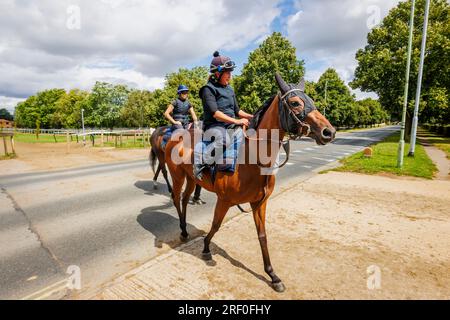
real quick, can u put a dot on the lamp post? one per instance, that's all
(326, 88)
(401, 144)
(419, 82)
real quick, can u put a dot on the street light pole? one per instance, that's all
(82, 124)
(326, 88)
(401, 144)
(419, 82)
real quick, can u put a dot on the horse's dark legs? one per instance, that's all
(190, 185)
(164, 171)
(219, 213)
(176, 197)
(155, 177)
(259, 215)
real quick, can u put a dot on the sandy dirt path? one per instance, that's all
(323, 236)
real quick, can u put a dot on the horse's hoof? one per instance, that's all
(278, 286)
(184, 238)
(155, 186)
(206, 256)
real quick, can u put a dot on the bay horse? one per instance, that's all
(290, 112)
(157, 153)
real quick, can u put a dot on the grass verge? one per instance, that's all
(43, 138)
(384, 160)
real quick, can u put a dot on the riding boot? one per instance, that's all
(196, 199)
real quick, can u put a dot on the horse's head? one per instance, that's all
(298, 114)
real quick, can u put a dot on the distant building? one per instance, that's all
(6, 123)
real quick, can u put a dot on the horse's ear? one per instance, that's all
(301, 84)
(283, 86)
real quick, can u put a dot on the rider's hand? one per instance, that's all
(178, 123)
(242, 122)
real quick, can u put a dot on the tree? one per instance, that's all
(339, 105)
(103, 106)
(37, 111)
(256, 83)
(370, 111)
(4, 114)
(137, 108)
(382, 63)
(68, 109)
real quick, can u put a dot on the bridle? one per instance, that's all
(299, 121)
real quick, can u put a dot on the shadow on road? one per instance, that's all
(147, 186)
(165, 228)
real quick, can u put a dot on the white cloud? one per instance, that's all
(9, 103)
(135, 41)
(328, 33)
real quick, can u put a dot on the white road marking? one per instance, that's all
(321, 159)
(47, 291)
(307, 167)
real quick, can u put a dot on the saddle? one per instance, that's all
(205, 157)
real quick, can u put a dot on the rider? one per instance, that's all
(220, 108)
(177, 113)
(180, 108)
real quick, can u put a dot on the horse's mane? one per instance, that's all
(259, 114)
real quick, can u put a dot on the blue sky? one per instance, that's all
(74, 43)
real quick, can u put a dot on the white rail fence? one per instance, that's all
(117, 135)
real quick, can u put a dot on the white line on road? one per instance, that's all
(321, 159)
(47, 291)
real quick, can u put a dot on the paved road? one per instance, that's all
(107, 219)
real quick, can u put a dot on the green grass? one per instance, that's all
(43, 138)
(384, 160)
(128, 142)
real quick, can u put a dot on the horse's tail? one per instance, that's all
(152, 159)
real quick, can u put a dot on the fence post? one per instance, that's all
(68, 141)
(4, 145)
(12, 145)
(101, 141)
(115, 141)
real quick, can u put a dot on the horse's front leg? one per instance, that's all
(190, 185)
(259, 215)
(219, 213)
